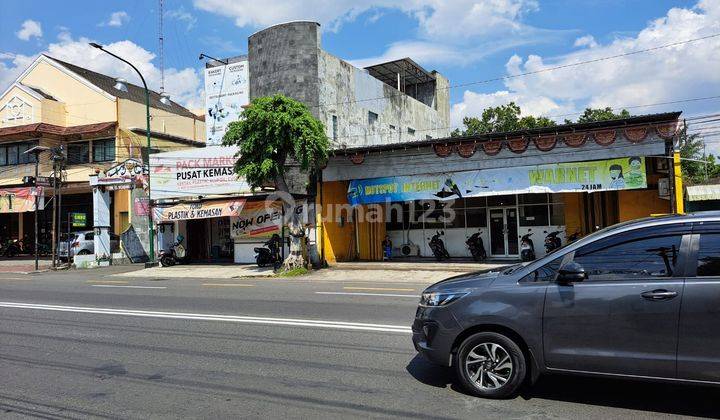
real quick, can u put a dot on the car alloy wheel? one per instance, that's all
(489, 366)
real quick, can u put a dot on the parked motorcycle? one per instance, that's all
(438, 246)
(269, 254)
(527, 248)
(476, 246)
(12, 248)
(574, 237)
(552, 241)
(175, 255)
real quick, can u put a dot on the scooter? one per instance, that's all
(552, 241)
(12, 248)
(175, 255)
(527, 248)
(574, 237)
(269, 253)
(476, 246)
(438, 246)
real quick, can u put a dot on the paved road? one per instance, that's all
(91, 345)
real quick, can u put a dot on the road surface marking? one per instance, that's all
(339, 325)
(15, 278)
(107, 281)
(128, 287)
(227, 285)
(386, 289)
(367, 294)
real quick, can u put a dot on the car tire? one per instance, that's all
(488, 377)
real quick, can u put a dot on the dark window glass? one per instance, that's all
(534, 215)
(411, 131)
(89, 236)
(12, 152)
(103, 150)
(372, 117)
(533, 198)
(334, 127)
(476, 217)
(476, 202)
(544, 273)
(651, 257)
(501, 200)
(3, 156)
(708, 260)
(25, 157)
(78, 153)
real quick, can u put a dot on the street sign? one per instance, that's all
(46, 181)
(78, 219)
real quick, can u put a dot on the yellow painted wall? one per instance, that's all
(83, 105)
(635, 204)
(338, 241)
(121, 199)
(132, 114)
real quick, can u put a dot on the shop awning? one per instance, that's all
(703, 192)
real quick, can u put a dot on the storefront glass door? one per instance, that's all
(503, 231)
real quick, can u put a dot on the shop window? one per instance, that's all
(473, 202)
(708, 259)
(3, 156)
(12, 152)
(556, 198)
(78, 153)
(476, 217)
(533, 199)
(534, 215)
(103, 150)
(456, 218)
(557, 214)
(501, 200)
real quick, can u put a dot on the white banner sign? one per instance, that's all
(195, 172)
(226, 92)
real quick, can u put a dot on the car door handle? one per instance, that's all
(659, 294)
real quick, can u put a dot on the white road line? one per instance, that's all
(129, 287)
(367, 294)
(213, 317)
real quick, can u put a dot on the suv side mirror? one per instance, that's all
(571, 272)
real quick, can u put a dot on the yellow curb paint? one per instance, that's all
(227, 285)
(107, 281)
(388, 289)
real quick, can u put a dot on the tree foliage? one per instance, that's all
(270, 131)
(500, 119)
(697, 166)
(599, 114)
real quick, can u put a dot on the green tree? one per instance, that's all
(692, 153)
(270, 131)
(500, 119)
(600, 114)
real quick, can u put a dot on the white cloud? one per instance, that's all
(29, 29)
(679, 72)
(456, 31)
(183, 16)
(184, 85)
(116, 19)
(585, 41)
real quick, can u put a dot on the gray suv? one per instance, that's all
(640, 300)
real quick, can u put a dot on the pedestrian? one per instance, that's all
(387, 248)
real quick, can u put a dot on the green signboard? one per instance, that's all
(78, 219)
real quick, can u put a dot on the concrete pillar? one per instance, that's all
(101, 221)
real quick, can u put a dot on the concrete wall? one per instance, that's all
(288, 59)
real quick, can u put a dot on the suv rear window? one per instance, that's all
(708, 259)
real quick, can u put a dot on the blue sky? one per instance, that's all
(466, 40)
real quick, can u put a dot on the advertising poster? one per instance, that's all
(226, 92)
(195, 172)
(600, 175)
(259, 219)
(19, 200)
(194, 211)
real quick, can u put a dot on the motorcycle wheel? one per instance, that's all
(167, 261)
(259, 261)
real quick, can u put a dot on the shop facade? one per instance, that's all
(571, 180)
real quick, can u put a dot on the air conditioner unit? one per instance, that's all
(409, 249)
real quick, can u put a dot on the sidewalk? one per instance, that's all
(23, 265)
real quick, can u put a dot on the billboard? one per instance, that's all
(226, 92)
(195, 211)
(589, 176)
(195, 172)
(19, 200)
